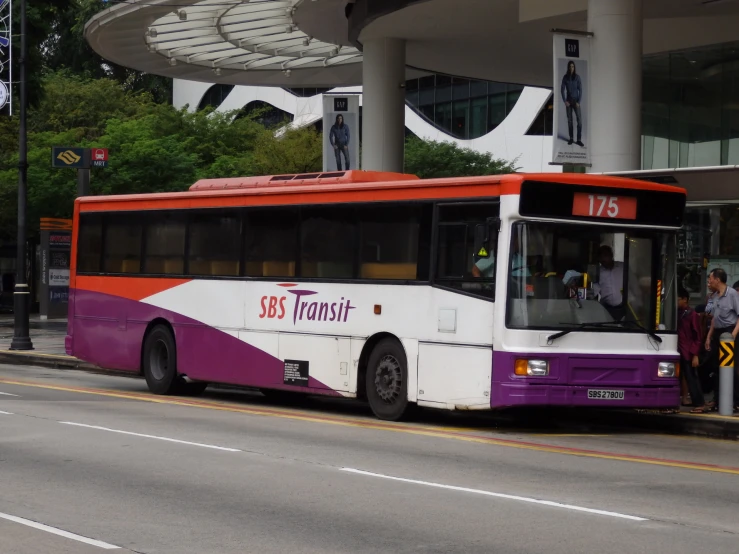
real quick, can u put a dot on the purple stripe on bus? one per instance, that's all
(108, 331)
(572, 375)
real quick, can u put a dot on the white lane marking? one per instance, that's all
(6, 413)
(8, 394)
(498, 495)
(150, 436)
(60, 532)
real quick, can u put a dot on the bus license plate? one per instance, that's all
(596, 394)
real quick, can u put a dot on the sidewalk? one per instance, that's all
(48, 342)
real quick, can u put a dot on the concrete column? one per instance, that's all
(615, 84)
(383, 105)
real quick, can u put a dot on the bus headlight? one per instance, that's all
(532, 368)
(667, 369)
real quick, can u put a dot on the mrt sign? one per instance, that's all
(99, 157)
(70, 158)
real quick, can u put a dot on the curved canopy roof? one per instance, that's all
(232, 41)
(317, 43)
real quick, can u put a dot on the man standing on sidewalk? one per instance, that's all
(725, 320)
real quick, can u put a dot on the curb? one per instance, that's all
(679, 424)
(45, 360)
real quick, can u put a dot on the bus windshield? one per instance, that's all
(567, 275)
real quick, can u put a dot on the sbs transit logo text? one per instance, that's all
(277, 306)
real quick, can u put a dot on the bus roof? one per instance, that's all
(348, 186)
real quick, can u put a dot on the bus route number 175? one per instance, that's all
(603, 206)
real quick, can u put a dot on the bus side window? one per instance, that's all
(122, 248)
(89, 244)
(467, 246)
(389, 242)
(271, 242)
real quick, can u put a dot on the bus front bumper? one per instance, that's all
(525, 394)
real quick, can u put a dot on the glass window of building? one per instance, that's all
(690, 108)
(464, 108)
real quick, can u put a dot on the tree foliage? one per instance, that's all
(153, 147)
(430, 159)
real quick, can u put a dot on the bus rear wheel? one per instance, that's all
(387, 380)
(160, 361)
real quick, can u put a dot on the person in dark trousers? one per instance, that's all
(339, 137)
(689, 339)
(725, 320)
(572, 97)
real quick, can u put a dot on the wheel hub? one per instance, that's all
(388, 379)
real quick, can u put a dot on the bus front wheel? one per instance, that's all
(387, 380)
(160, 361)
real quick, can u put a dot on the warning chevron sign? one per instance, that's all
(726, 354)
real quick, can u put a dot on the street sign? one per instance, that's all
(63, 157)
(726, 353)
(99, 157)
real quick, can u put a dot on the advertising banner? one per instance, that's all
(6, 61)
(340, 132)
(56, 243)
(571, 101)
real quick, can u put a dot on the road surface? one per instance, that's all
(92, 462)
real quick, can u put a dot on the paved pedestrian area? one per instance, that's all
(47, 335)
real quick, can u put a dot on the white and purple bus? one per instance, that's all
(471, 293)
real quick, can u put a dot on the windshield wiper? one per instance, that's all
(600, 324)
(652, 334)
(595, 324)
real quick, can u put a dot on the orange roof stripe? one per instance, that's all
(357, 190)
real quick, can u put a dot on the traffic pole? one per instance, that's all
(726, 375)
(22, 294)
(83, 182)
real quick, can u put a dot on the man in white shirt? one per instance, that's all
(610, 283)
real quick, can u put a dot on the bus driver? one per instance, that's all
(610, 283)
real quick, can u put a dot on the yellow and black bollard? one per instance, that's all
(726, 375)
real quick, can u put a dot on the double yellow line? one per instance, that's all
(460, 434)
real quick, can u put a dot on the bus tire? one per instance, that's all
(387, 380)
(160, 361)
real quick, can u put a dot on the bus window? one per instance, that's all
(214, 243)
(89, 243)
(270, 242)
(164, 250)
(327, 238)
(460, 265)
(122, 249)
(580, 275)
(389, 237)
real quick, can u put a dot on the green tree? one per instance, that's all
(430, 159)
(294, 151)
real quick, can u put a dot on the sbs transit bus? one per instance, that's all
(468, 293)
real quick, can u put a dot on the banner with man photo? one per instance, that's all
(340, 132)
(571, 101)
